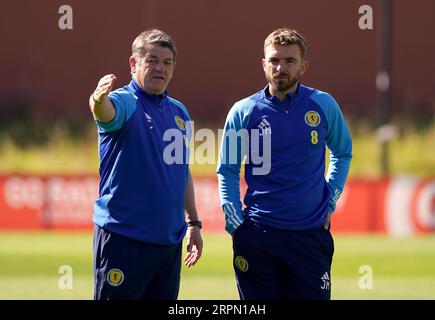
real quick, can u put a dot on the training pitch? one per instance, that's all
(53, 265)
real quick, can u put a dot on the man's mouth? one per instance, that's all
(281, 77)
(159, 78)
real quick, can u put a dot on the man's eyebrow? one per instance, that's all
(285, 58)
(156, 57)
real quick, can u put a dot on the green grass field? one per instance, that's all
(403, 268)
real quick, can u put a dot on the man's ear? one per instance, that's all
(304, 67)
(132, 63)
(263, 63)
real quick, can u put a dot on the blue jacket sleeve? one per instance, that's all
(125, 104)
(232, 152)
(339, 142)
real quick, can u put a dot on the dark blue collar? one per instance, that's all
(289, 97)
(136, 89)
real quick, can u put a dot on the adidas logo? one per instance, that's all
(264, 127)
(326, 282)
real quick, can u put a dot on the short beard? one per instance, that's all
(284, 86)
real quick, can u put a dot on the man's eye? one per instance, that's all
(168, 63)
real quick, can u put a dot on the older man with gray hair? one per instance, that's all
(145, 206)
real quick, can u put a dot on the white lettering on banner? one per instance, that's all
(398, 201)
(63, 201)
(70, 201)
(208, 203)
(22, 192)
(425, 205)
(207, 192)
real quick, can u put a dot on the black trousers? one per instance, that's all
(281, 264)
(130, 269)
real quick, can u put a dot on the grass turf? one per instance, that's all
(403, 268)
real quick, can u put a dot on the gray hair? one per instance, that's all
(152, 36)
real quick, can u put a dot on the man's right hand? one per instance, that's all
(101, 106)
(104, 87)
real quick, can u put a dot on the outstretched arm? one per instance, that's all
(101, 106)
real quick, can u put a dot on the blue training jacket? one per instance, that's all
(287, 190)
(141, 196)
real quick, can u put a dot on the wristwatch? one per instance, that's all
(196, 223)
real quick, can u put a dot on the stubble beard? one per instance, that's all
(286, 85)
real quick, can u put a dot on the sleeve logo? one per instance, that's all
(312, 118)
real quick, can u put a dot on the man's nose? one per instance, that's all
(160, 67)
